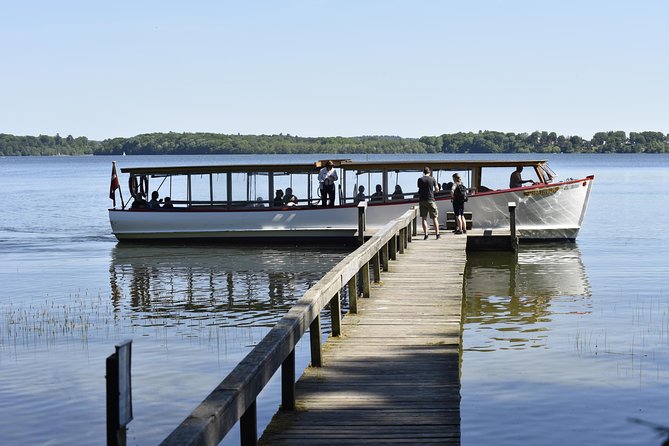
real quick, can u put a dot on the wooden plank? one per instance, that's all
(393, 374)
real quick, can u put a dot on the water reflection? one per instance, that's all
(222, 285)
(514, 294)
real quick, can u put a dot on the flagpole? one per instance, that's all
(120, 189)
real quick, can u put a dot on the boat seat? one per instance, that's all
(450, 220)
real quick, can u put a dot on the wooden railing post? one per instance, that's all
(335, 314)
(414, 225)
(376, 263)
(384, 256)
(362, 223)
(288, 382)
(248, 426)
(393, 247)
(402, 240)
(315, 338)
(512, 222)
(364, 277)
(353, 295)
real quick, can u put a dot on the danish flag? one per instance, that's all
(114, 184)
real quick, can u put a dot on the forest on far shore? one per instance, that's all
(215, 143)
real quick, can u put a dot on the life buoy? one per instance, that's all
(133, 186)
(138, 185)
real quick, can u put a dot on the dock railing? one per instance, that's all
(235, 397)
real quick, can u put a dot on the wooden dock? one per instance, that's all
(392, 376)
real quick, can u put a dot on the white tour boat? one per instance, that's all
(235, 201)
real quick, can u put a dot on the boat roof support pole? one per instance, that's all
(342, 175)
(190, 191)
(228, 188)
(476, 179)
(309, 179)
(270, 185)
(211, 189)
(385, 186)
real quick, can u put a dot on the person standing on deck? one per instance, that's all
(427, 186)
(459, 196)
(327, 177)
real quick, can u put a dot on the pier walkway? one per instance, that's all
(389, 373)
(392, 376)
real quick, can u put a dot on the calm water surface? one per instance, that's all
(562, 344)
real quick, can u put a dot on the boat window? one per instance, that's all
(296, 182)
(370, 181)
(201, 189)
(496, 178)
(176, 188)
(549, 174)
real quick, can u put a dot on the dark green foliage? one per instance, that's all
(215, 143)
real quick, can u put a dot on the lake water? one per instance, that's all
(561, 344)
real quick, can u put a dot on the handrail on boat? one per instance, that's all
(235, 397)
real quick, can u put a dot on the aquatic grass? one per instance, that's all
(639, 343)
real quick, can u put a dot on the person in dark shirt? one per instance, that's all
(289, 199)
(139, 202)
(155, 202)
(516, 179)
(398, 194)
(427, 186)
(360, 197)
(278, 199)
(378, 195)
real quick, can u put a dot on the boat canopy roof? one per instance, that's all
(342, 163)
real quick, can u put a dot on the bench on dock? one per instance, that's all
(450, 221)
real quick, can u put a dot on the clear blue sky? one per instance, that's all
(339, 67)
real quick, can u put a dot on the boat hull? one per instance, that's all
(543, 212)
(297, 223)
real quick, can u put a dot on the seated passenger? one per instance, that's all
(289, 199)
(360, 197)
(168, 203)
(155, 202)
(397, 194)
(378, 195)
(278, 199)
(259, 203)
(139, 202)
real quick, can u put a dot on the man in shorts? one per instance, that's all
(427, 186)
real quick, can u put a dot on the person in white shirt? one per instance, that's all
(327, 177)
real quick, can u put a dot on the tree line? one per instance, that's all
(215, 143)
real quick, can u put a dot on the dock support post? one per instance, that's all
(248, 426)
(364, 277)
(288, 382)
(315, 338)
(376, 263)
(362, 224)
(353, 295)
(335, 314)
(384, 257)
(512, 222)
(402, 240)
(414, 226)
